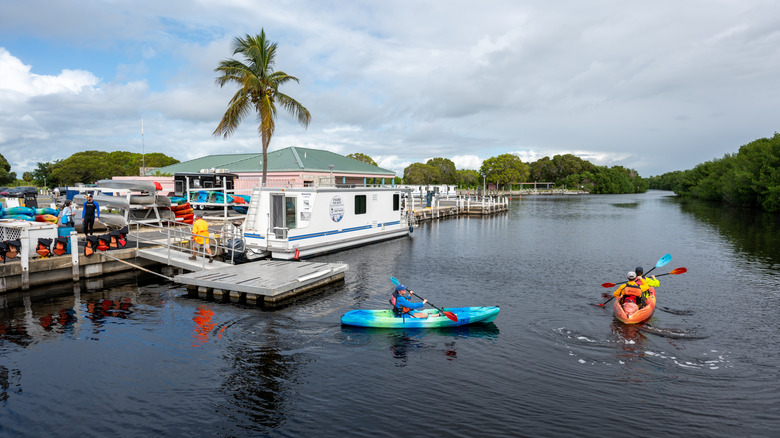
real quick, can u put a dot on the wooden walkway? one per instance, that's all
(267, 283)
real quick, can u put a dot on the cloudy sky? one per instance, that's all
(654, 86)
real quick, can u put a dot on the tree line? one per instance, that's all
(508, 170)
(748, 178)
(85, 167)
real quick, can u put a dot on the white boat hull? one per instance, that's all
(296, 223)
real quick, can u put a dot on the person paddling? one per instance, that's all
(650, 282)
(630, 293)
(402, 306)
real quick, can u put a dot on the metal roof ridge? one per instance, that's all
(297, 157)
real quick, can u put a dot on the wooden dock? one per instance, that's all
(461, 206)
(266, 283)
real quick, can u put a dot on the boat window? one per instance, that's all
(360, 204)
(289, 212)
(396, 202)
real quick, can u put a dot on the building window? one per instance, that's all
(396, 202)
(360, 204)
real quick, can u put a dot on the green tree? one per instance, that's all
(6, 176)
(42, 174)
(447, 171)
(27, 177)
(504, 169)
(419, 173)
(258, 89)
(362, 157)
(467, 178)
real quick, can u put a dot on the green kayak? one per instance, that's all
(386, 318)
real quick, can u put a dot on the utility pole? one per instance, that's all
(143, 152)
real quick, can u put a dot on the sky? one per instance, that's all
(652, 86)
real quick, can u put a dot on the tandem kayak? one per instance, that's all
(641, 315)
(386, 319)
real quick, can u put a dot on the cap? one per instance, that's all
(400, 287)
(631, 275)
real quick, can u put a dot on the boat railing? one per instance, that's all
(179, 239)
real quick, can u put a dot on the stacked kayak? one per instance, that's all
(386, 319)
(640, 315)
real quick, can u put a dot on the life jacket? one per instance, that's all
(632, 290)
(398, 310)
(43, 247)
(91, 245)
(122, 240)
(13, 248)
(103, 242)
(60, 245)
(114, 242)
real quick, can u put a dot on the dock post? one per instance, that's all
(25, 259)
(74, 255)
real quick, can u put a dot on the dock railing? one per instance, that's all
(180, 240)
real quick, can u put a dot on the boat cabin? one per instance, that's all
(184, 182)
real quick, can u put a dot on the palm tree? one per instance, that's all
(258, 89)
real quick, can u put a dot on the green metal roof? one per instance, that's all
(290, 159)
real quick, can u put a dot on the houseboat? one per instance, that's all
(298, 222)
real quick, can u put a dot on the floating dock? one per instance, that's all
(266, 283)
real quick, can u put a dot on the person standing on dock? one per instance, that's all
(200, 239)
(89, 212)
(66, 219)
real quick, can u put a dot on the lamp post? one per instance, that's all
(330, 166)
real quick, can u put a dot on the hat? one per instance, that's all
(631, 275)
(400, 287)
(198, 215)
(639, 270)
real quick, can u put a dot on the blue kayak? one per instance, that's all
(386, 319)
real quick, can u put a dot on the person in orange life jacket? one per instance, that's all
(200, 229)
(630, 293)
(651, 282)
(402, 305)
(90, 211)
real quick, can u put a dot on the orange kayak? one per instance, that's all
(640, 315)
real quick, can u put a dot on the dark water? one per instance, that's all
(130, 356)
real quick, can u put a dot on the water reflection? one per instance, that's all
(403, 342)
(752, 231)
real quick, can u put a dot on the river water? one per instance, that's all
(133, 356)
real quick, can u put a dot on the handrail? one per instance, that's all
(179, 236)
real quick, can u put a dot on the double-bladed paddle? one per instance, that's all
(449, 315)
(663, 261)
(676, 271)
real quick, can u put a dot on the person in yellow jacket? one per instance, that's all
(650, 282)
(630, 293)
(200, 232)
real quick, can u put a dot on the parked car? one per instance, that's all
(3, 191)
(19, 192)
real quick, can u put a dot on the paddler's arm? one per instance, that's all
(619, 291)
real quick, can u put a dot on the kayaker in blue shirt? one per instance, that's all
(402, 305)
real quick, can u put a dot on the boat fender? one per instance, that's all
(411, 229)
(297, 254)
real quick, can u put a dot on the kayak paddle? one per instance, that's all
(449, 315)
(676, 271)
(663, 261)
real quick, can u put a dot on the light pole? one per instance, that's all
(330, 166)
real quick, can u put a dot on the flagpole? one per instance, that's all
(143, 152)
